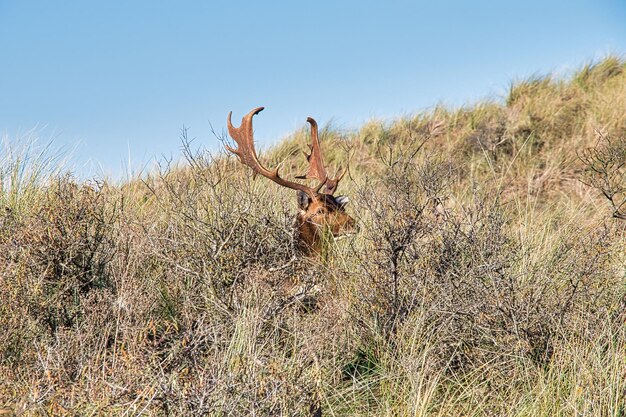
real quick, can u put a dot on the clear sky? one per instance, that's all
(122, 78)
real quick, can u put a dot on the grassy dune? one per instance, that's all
(488, 277)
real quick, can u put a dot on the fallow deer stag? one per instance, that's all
(320, 212)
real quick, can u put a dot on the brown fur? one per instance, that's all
(325, 212)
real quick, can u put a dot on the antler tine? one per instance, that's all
(331, 185)
(244, 137)
(316, 165)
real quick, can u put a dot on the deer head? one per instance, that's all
(320, 212)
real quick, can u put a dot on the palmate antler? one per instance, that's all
(316, 165)
(244, 137)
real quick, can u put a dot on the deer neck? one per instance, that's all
(309, 237)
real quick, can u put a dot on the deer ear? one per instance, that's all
(342, 200)
(303, 200)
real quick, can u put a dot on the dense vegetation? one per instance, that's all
(488, 276)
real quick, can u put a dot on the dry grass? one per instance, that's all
(489, 276)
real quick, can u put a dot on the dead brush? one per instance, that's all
(60, 251)
(484, 292)
(222, 271)
(56, 259)
(401, 211)
(605, 170)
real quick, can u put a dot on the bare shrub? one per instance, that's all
(402, 208)
(217, 227)
(487, 294)
(228, 297)
(55, 256)
(605, 170)
(494, 299)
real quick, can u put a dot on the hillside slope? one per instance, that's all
(488, 278)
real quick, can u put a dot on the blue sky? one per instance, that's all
(120, 79)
